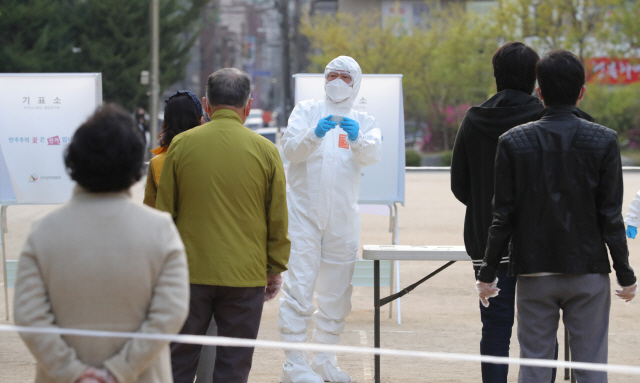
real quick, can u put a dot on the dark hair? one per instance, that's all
(561, 77)
(514, 67)
(180, 114)
(228, 86)
(106, 152)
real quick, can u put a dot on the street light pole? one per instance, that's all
(155, 71)
(283, 8)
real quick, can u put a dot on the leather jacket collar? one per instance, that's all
(559, 111)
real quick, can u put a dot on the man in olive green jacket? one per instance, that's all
(225, 187)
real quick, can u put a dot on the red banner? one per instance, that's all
(604, 70)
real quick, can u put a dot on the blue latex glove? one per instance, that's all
(632, 231)
(351, 127)
(324, 125)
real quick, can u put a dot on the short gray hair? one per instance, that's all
(229, 86)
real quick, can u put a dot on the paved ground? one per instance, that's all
(440, 316)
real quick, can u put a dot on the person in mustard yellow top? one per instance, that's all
(182, 111)
(225, 187)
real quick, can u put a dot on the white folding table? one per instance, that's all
(378, 253)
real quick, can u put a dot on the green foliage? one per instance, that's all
(446, 157)
(624, 15)
(587, 28)
(578, 25)
(36, 35)
(446, 65)
(632, 156)
(616, 107)
(412, 158)
(108, 36)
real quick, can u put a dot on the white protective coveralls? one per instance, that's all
(324, 224)
(633, 215)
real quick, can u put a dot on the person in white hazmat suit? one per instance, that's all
(324, 220)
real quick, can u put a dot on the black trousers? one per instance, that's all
(237, 312)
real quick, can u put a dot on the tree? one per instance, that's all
(35, 35)
(616, 107)
(446, 65)
(624, 16)
(285, 58)
(107, 36)
(589, 28)
(443, 66)
(576, 25)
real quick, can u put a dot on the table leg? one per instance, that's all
(376, 321)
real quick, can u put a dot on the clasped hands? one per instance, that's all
(350, 126)
(96, 375)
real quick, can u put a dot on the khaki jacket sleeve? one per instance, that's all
(167, 197)
(33, 309)
(166, 314)
(278, 244)
(151, 189)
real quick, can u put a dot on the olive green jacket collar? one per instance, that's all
(225, 113)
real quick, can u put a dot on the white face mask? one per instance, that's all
(338, 90)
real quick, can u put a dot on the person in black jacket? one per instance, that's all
(472, 169)
(557, 207)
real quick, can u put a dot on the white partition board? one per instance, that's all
(39, 112)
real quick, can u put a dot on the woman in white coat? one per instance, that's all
(103, 262)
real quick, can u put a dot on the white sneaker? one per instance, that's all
(297, 370)
(326, 365)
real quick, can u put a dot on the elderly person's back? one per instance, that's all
(103, 262)
(225, 187)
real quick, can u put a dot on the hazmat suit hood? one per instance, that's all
(344, 63)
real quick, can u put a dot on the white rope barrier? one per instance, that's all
(238, 342)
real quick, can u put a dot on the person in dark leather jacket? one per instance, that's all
(557, 207)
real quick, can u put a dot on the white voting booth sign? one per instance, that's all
(39, 112)
(383, 183)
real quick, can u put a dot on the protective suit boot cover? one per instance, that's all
(326, 365)
(296, 369)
